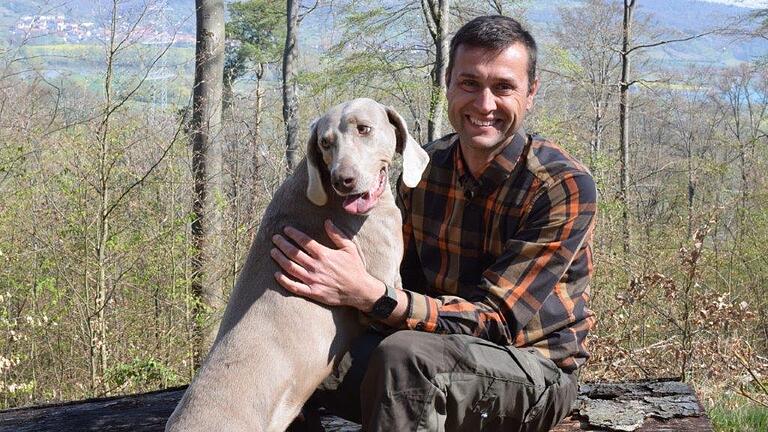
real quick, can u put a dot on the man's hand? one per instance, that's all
(335, 277)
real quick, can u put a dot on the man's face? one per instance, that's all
(488, 96)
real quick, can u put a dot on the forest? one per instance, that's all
(129, 193)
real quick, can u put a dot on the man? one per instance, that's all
(492, 314)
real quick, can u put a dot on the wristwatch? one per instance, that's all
(387, 303)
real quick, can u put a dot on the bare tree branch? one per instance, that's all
(669, 41)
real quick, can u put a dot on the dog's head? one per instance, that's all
(354, 143)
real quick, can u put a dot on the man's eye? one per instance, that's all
(363, 129)
(505, 88)
(469, 84)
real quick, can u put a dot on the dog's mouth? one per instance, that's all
(362, 203)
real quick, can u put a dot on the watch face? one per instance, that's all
(383, 307)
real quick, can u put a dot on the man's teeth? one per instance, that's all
(482, 123)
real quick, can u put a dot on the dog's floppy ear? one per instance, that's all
(415, 159)
(315, 190)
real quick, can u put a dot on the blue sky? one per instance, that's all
(752, 4)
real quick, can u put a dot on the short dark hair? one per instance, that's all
(495, 33)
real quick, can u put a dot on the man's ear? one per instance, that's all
(415, 159)
(531, 94)
(315, 190)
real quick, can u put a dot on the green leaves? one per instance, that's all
(255, 34)
(147, 373)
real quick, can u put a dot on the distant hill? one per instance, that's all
(165, 15)
(692, 17)
(89, 9)
(679, 17)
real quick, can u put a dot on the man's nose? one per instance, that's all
(485, 101)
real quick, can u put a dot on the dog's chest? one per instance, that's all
(380, 242)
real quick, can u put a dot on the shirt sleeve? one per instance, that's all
(514, 287)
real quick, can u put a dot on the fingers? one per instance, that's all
(306, 290)
(337, 236)
(306, 242)
(291, 251)
(289, 266)
(293, 286)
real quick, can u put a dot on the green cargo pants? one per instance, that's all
(416, 381)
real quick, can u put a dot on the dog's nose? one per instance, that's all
(343, 182)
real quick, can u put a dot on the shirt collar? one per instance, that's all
(500, 168)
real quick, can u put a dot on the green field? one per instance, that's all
(82, 67)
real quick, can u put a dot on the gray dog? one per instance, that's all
(273, 349)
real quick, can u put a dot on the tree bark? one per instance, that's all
(259, 149)
(290, 101)
(691, 184)
(98, 326)
(597, 139)
(206, 283)
(437, 16)
(629, 6)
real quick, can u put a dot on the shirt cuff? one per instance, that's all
(422, 312)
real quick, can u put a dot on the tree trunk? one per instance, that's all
(290, 102)
(597, 138)
(206, 283)
(228, 96)
(624, 121)
(259, 150)
(437, 15)
(99, 327)
(691, 184)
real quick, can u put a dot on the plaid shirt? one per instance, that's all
(506, 257)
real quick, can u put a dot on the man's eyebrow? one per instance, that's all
(503, 78)
(511, 80)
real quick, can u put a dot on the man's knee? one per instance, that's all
(396, 349)
(404, 357)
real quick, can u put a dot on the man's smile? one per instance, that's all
(481, 122)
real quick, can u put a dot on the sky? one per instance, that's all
(752, 4)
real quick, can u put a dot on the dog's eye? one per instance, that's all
(324, 144)
(363, 129)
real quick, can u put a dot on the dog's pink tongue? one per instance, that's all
(359, 203)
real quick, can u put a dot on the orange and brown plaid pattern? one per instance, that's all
(506, 257)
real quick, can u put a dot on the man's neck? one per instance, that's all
(477, 161)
